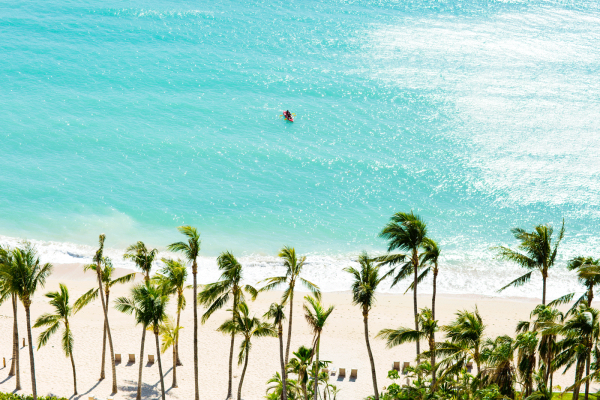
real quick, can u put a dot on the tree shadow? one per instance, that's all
(89, 390)
(7, 378)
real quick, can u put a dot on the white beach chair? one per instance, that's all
(353, 373)
(333, 371)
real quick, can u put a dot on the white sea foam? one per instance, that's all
(475, 273)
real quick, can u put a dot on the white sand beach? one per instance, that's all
(342, 343)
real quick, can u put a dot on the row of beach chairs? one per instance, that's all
(396, 366)
(342, 372)
(131, 359)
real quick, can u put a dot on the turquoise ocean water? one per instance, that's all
(131, 118)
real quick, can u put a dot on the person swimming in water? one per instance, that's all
(287, 114)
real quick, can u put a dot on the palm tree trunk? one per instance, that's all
(316, 391)
(177, 341)
(415, 262)
(304, 391)
(139, 388)
(239, 397)
(366, 322)
(230, 383)
(432, 360)
(544, 290)
(74, 374)
(174, 367)
(283, 371)
(160, 371)
(578, 373)
(196, 389)
(17, 369)
(30, 345)
(587, 372)
(15, 335)
(107, 325)
(289, 337)
(102, 375)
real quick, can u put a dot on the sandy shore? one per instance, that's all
(342, 343)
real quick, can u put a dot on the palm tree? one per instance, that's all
(316, 315)
(465, 339)
(588, 274)
(170, 337)
(248, 327)
(277, 314)
(148, 303)
(406, 232)
(292, 392)
(99, 260)
(300, 365)
(62, 312)
(143, 259)
(526, 344)
(581, 333)
(365, 283)
(172, 278)
(7, 288)
(430, 256)
(29, 274)
(498, 355)
(293, 266)
(191, 249)
(106, 273)
(536, 253)
(426, 330)
(216, 295)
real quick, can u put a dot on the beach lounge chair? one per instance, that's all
(342, 373)
(333, 371)
(396, 365)
(131, 359)
(406, 365)
(470, 366)
(117, 358)
(353, 373)
(151, 358)
(4, 362)
(24, 342)
(326, 370)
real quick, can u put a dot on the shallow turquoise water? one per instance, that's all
(132, 118)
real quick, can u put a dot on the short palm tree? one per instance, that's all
(364, 284)
(62, 312)
(248, 327)
(535, 252)
(148, 303)
(108, 282)
(172, 279)
(316, 315)
(99, 260)
(498, 355)
(169, 333)
(28, 274)
(300, 366)
(7, 290)
(465, 339)
(293, 268)
(406, 232)
(427, 328)
(191, 250)
(277, 314)
(276, 389)
(526, 344)
(216, 295)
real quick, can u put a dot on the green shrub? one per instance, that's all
(11, 396)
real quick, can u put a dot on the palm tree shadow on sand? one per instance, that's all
(129, 390)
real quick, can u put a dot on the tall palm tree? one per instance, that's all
(169, 333)
(191, 249)
(7, 286)
(293, 268)
(172, 279)
(248, 327)
(316, 315)
(426, 330)
(537, 252)
(143, 259)
(588, 274)
(29, 274)
(364, 284)
(277, 314)
(108, 282)
(405, 232)
(99, 260)
(430, 257)
(62, 312)
(300, 366)
(216, 295)
(148, 303)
